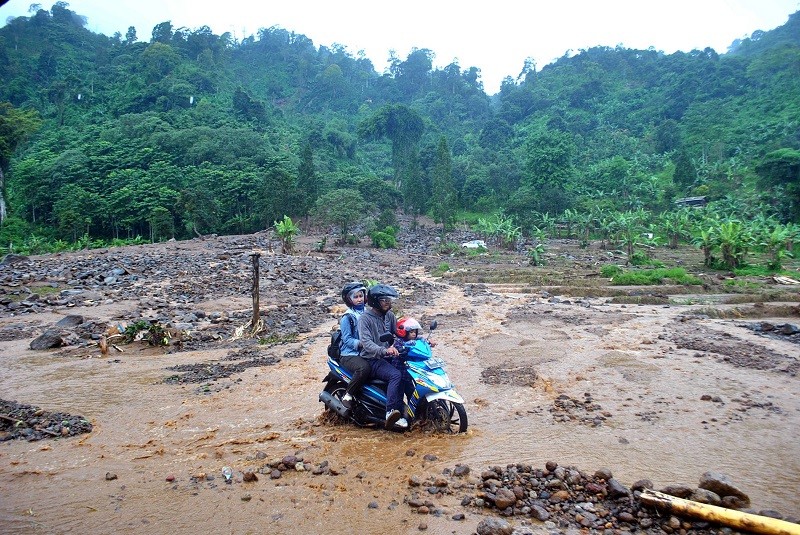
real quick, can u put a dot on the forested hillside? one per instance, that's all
(185, 132)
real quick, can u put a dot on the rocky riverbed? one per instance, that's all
(553, 363)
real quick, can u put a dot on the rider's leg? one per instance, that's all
(360, 370)
(394, 390)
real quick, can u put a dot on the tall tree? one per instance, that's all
(403, 127)
(443, 202)
(15, 126)
(307, 182)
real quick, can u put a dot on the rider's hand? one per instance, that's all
(392, 351)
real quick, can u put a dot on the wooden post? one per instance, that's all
(254, 322)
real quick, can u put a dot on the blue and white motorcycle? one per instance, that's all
(431, 396)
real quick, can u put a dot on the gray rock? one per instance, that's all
(679, 491)
(617, 489)
(722, 486)
(706, 496)
(504, 498)
(49, 339)
(494, 526)
(67, 322)
(12, 258)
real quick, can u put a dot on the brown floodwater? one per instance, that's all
(656, 426)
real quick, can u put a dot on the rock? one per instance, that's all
(723, 486)
(170, 478)
(539, 513)
(604, 474)
(12, 258)
(617, 489)
(679, 491)
(788, 329)
(422, 526)
(706, 496)
(275, 474)
(249, 477)
(461, 470)
(373, 505)
(458, 516)
(246, 497)
(111, 476)
(48, 340)
(642, 484)
(494, 526)
(68, 322)
(504, 498)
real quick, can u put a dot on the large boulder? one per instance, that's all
(49, 339)
(721, 485)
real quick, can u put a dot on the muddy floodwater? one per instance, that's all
(649, 391)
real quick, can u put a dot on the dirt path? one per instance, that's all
(647, 391)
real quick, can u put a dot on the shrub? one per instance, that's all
(610, 270)
(441, 269)
(650, 277)
(384, 239)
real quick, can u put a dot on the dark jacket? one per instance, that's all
(371, 325)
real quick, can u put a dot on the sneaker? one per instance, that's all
(401, 423)
(347, 401)
(392, 417)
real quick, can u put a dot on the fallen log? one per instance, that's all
(720, 515)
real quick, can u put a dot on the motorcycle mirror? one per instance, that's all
(387, 337)
(434, 324)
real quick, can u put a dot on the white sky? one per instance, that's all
(493, 35)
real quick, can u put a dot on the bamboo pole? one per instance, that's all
(254, 322)
(720, 515)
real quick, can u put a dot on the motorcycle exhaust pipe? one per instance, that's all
(334, 404)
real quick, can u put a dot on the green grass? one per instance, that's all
(650, 277)
(759, 271)
(441, 269)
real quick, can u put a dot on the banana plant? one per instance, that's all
(286, 231)
(706, 240)
(734, 241)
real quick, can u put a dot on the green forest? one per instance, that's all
(181, 133)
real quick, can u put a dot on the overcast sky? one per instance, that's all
(493, 35)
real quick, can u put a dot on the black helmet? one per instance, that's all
(348, 289)
(378, 292)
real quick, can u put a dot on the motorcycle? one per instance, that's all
(431, 396)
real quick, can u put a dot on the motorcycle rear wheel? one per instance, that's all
(446, 416)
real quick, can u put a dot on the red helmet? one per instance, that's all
(404, 325)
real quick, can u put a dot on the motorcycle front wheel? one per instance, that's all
(446, 416)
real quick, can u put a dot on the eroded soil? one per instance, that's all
(555, 366)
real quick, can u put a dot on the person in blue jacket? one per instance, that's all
(353, 295)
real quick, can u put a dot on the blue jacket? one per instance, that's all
(349, 345)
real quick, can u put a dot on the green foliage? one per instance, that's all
(441, 269)
(651, 277)
(194, 133)
(499, 228)
(153, 332)
(341, 207)
(641, 258)
(610, 270)
(536, 255)
(384, 239)
(286, 231)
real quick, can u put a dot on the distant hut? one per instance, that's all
(693, 202)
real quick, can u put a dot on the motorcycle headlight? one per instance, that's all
(440, 381)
